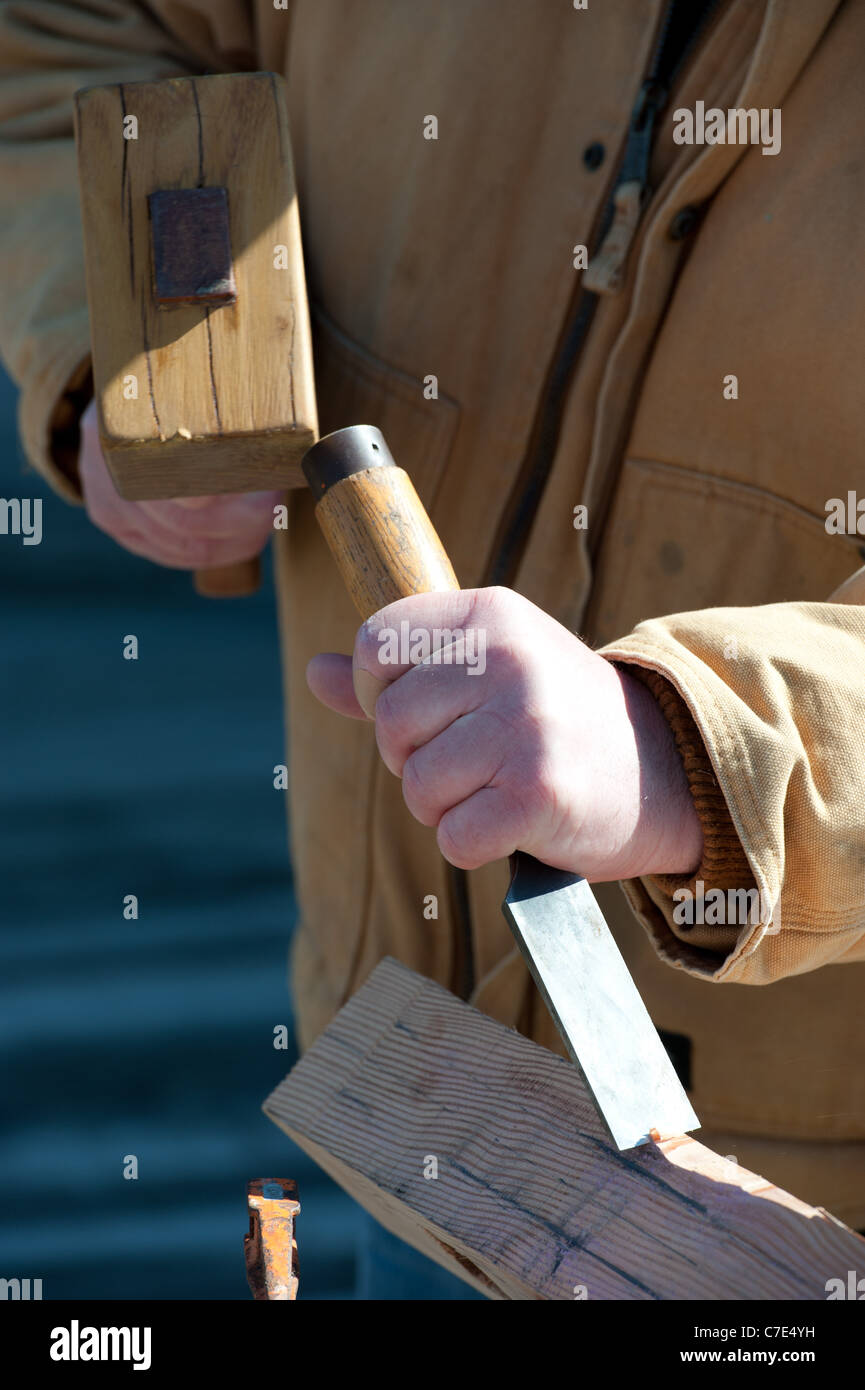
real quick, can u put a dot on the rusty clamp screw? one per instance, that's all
(270, 1248)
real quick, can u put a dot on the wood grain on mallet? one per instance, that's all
(530, 1199)
(225, 395)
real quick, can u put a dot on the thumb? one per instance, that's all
(329, 678)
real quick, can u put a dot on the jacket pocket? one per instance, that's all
(678, 541)
(356, 388)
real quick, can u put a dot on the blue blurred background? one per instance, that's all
(151, 1037)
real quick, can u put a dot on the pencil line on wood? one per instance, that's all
(213, 390)
(291, 363)
(200, 134)
(126, 192)
(145, 339)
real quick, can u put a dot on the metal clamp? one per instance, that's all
(270, 1249)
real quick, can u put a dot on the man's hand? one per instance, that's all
(185, 533)
(532, 741)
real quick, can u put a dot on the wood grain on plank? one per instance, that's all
(531, 1200)
(225, 395)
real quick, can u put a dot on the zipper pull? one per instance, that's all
(606, 270)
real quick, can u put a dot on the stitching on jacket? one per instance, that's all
(766, 502)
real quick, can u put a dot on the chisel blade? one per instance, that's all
(595, 1004)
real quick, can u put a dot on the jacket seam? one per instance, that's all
(767, 500)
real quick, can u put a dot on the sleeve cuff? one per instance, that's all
(724, 864)
(49, 414)
(64, 425)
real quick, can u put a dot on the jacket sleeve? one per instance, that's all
(767, 705)
(49, 49)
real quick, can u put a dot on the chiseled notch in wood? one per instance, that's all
(484, 1151)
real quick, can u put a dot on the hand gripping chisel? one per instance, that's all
(386, 548)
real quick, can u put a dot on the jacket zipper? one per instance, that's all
(633, 168)
(534, 472)
(660, 80)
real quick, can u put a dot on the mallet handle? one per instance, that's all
(230, 581)
(373, 520)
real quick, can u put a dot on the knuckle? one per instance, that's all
(386, 721)
(394, 721)
(463, 841)
(451, 844)
(418, 795)
(391, 744)
(529, 798)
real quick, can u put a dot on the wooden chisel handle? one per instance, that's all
(373, 520)
(230, 581)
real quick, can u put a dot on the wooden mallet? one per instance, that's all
(202, 360)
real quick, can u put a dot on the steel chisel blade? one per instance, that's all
(595, 1004)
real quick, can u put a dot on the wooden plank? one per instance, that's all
(531, 1200)
(224, 396)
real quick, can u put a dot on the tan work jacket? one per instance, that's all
(704, 401)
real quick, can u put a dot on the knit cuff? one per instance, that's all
(64, 425)
(724, 864)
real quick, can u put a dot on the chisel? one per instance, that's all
(386, 548)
